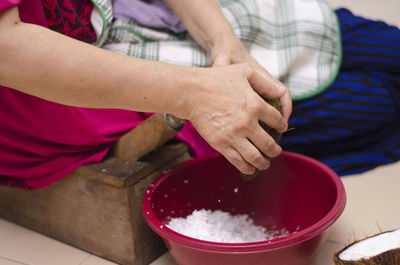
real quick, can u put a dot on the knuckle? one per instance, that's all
(276, 150)
(240, 164)
(229, 133)
(254, 157)
(247, 69)
(268, 145)
(261, 162)
(217, 141)
(233, 157)
(236, 161)
(257, 159)
(257, 107)
(271, 149)
(245, 123)
(266, 149)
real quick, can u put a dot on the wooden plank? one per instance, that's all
(124, 173)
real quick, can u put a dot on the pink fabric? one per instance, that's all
(6, 4)
(31, 11)
(42, 142)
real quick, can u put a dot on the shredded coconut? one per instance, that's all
(219, 226)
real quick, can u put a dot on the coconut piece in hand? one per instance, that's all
(276, 103)
(381, 249)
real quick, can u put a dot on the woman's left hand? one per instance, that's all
(208, 26)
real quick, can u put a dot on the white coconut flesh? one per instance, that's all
(372, 246)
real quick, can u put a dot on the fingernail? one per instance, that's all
(284, 129)
(250, 172)
(279, 149)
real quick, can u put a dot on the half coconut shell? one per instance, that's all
(380, 249)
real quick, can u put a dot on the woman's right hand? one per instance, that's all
(225, 107)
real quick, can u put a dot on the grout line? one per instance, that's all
(334, 241)
(83, 261)
(13, 260)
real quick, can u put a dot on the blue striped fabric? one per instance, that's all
(354, 125)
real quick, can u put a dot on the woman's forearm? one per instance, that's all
(205, 22)
(49, 65)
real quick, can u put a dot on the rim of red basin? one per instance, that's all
(295, 238)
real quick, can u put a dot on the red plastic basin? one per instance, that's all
(297, 193)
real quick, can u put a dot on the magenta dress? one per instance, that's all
(42, 142)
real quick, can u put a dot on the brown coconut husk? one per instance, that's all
(390, 257)
(276, 103)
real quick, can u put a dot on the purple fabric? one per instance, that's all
(150, 13)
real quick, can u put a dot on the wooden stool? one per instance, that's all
(98, 207)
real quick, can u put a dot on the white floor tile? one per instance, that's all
(27, 247)
(10, 262)
(165, 259)
(325, 256)
(94, 260)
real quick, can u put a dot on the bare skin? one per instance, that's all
(223, 45)
(222, 102)
(208, 26)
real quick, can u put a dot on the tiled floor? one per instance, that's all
(20, 246)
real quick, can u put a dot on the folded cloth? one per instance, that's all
(297, 41)
(354, 125)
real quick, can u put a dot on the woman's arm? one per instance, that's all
(205, 22)
(208, 26)
(49, 65)
(220, 102)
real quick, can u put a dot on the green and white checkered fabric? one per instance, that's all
(297, 41)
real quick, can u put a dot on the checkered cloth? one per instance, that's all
(297, 41)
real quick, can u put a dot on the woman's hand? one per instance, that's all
(230, 50)
(225, 107)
